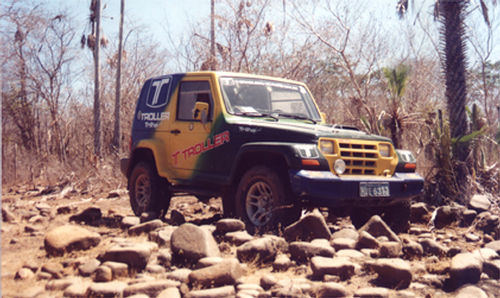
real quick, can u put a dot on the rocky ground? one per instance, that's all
(64, 242)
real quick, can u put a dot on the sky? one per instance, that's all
(176, 17)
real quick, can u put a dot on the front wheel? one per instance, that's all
(262, 202)
(147, 191)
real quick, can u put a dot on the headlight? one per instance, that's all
(307, 151)
(326, 147)
(384, 150)
(339, 166)
(406, 156)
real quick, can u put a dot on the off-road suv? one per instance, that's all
(262, 145)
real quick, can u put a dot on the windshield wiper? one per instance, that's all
(295, 116)
(257, 114)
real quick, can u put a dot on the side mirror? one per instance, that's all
(200, 112)
(323, 116)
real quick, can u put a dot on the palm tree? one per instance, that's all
(396, 81)
(451, 14)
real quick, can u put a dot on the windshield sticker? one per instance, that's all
(211, 143)
(236, 82)
(249, 129)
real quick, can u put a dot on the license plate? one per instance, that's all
(374, 189)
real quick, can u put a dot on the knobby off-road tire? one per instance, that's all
(397, 217)
(147, 191)
(263, 202)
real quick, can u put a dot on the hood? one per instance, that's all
(293, 128)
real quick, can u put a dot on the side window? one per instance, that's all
(189, 94)
(158, 93)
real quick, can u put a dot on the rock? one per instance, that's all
(258, 250)
(103, 274)
(445, 215)
(164, 257)
(118, 269)
(303, 251)
(339, 266)
(267, 281)
(351, 254)
(191, 243)
(471, 237)
(68, 238)
(392, 272)
(107, 289)
(419, 213)
(470, 291)
(391, 249)
(224, 273)
(145, 227)
(343, 243)
(311, 226)
(238, 238)
(377, 227)
(88, 267)
(60, 284)
(34, 291)
(366, 240)
(492, 269)
(176, 218)
(412, 250)
(480, 203)
(24, 274)
(150, 288)
(130, 221)
(170, 293)
(181, 275)
(453, 251)
(346, 234)
(331, 289)
(89, 216)
(8, 216)
(77, 289)
(465, 268)
(227, 291)
(116, 193)
(495, 245)
(136, 256)
(227, 225)
(162, 236)
(54, 269)
(432, 247)
(468, 217)
(282, 263)
(432, 280)
(209, 261)
(155, 269)
(372, 293)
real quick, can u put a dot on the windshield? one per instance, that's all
(248, 96)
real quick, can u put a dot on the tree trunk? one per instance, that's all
(97, 101)
(116, 132)
(452, 14)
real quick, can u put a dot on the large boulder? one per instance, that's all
(465, 268)
(302, 251)
(446, 215)
(136, 256)
(227, 225)
(377, 227)
(339, 266)
(260, 250)
(226, 272)
(68, 238)
(191, 243)
(392, 272)
(309, 227)
(479, 203)
(419, 212)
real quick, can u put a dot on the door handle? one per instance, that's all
(175, 131)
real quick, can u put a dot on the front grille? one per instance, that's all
(360, 159)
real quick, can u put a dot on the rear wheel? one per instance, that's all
(262, 202)
(147, 191)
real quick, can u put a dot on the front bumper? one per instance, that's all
(324, 189)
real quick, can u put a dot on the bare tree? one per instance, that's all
(116, 132)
